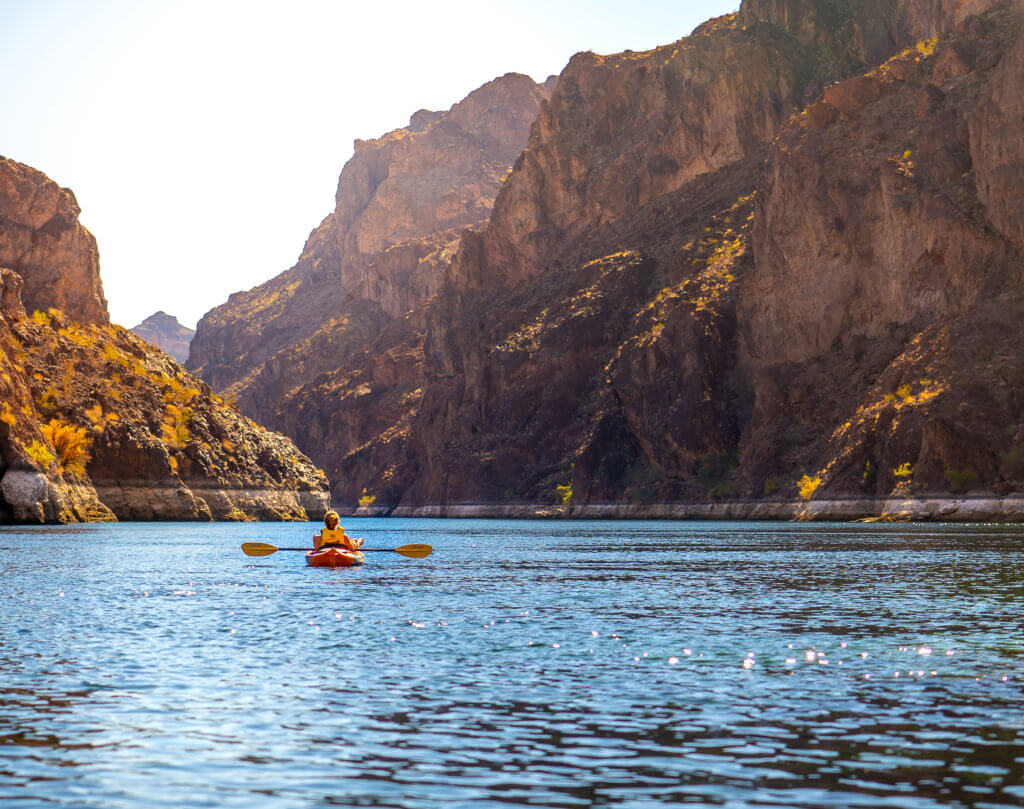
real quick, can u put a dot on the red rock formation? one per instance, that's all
(542, 352)
(160, 445)
(96, 424)
(687, 292)
(402, 201)
(42, 240)
(882, 318)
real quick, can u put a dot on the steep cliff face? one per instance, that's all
(575, 383)
(166, 333)
(881, 322)
(402, 202)
(715, 274)
(621, 130)
(42, 240)
(586, 337)
(94, 423)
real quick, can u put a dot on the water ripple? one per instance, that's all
(545, 664)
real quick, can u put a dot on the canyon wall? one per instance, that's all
(402, 202)
(96, 424)
(881, 319)
(777, 259)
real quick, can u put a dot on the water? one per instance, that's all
(547, 664)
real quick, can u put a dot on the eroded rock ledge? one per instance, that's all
(982, 509)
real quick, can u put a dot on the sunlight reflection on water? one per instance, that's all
(552, 664)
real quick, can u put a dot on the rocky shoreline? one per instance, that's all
(146, 501)
(974, 509)
(32, 497)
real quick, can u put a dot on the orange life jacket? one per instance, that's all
(337, 537)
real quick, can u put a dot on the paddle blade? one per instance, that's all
(415, 551)
(258, 549)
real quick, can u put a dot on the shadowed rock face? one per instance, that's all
(712, 272)
(96, 424)
(166, 333)
(402, 201)
(882, 320)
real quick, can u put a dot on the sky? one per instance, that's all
(204, 138)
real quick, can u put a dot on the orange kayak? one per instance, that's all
(334, 557)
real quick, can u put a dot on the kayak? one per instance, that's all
(334, 557)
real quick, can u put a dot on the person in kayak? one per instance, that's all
(333, 535)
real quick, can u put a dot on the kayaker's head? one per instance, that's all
(331, 520)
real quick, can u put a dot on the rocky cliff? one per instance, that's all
(881, 320)
(42, 241)
(402, 202)
(779, 258)
(95, 424)
(166, 333)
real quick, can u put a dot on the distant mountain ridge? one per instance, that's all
(165, 332)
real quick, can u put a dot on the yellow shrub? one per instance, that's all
(903, 471)
(77, 336)
(808, 486)
(175, 434)
(367, 499)
(47, 400)
(38, 452)
(71, 444)
(7, 417)
(565, 494)
(100, 419)
(41, 318)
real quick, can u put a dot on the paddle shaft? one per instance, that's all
(408, 551)
(343, 548)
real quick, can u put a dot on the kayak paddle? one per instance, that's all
(410, 551)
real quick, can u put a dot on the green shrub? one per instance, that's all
(960, 480)
(1013, 464)
(772, 485)
(714, 466)
(640, 494)
(724, 491)
(39, 453)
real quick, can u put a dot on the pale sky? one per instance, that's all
(204, 138)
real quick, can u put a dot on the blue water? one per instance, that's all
(546, 664)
